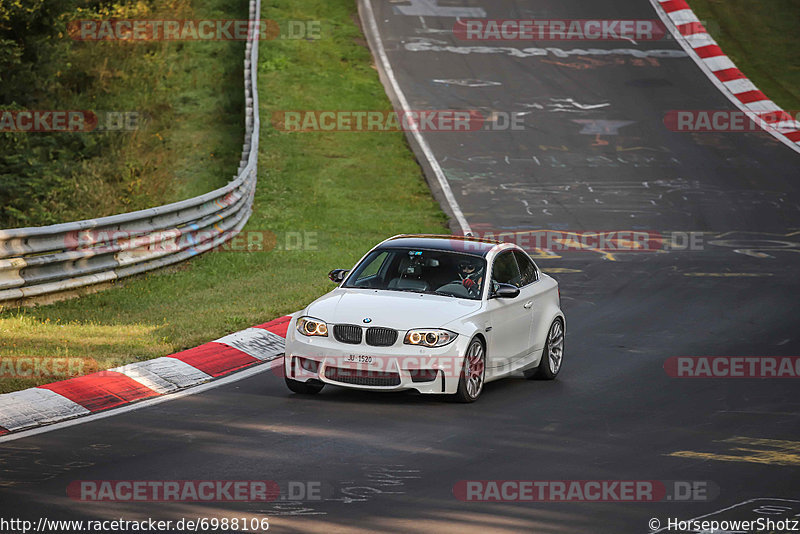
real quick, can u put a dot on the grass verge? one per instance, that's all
(762, 38)
(322, 198)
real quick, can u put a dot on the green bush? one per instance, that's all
(190, 130)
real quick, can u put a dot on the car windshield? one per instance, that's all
(421, 271)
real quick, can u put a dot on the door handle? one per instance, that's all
(528, 305)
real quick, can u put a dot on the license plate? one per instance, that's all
(358, 358)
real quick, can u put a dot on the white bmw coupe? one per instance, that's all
(438, 314)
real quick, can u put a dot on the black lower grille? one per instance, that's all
(423, 375)
(311, 366)
(347, 333)
(360, 377)
(381, 337)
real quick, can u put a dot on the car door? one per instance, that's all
(531, 292)
(510, 319)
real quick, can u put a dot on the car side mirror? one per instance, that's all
(338, 275)
(505, 291)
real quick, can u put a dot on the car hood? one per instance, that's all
(392, 309)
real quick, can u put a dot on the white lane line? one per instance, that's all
(36, 406)
(379, 50)
(235, 377)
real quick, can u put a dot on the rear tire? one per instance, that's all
(552, 354)
(473, 373)
(312, 387)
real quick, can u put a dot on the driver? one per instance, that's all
(471, 273)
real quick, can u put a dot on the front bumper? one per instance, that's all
(365, 367)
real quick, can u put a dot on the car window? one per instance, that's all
(441, 272)
(527, 268)
(505, 270)
(372, 268)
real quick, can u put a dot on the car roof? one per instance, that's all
(455, 243)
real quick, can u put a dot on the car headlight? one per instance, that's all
(430, 337)
(308, 326)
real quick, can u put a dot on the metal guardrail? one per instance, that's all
(49, 259)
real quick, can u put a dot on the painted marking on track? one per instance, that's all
(569, 104)
(564, 105)
(754, 450)
(727, 275)
(425, 44)
(430, 8)
(601, 127)
(380, 480)
(561, 270)
(573, 244)
(469, 82)
(585, 63)
(543, 254)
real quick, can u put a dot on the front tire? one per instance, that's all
(473, 373)
(312, 387)
(552, 354)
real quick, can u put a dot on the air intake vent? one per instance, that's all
(361, 377)
(347, 333)
(381, 337)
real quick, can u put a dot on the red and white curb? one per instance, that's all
(89, 394)
(695, 40)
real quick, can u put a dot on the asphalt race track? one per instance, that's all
(390, 462)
